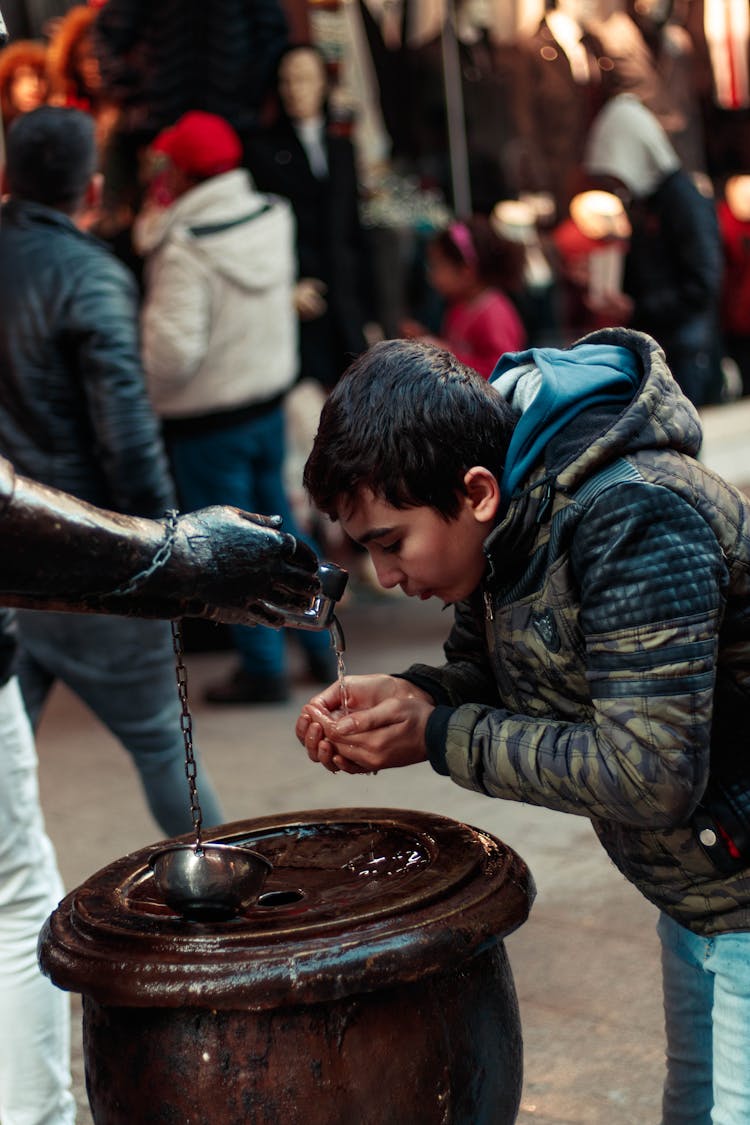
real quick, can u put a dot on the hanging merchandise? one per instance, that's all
(727, 27)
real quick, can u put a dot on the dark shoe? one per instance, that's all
(242, 687)
(322, 667)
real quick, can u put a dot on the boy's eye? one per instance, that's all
(392, 548)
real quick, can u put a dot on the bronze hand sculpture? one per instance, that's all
(61, 553)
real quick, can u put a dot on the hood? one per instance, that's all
(626, 141)
(609, 395)
(241, 233)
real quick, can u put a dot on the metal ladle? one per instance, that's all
(204, 882)
(209, 882)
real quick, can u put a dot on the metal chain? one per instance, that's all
(186, 725)
(160, 558)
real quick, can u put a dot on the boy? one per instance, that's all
(599, 661)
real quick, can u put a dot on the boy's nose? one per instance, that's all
(387, 574)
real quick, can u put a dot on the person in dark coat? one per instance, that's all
(75, 415)
(303, 159)
(158, 61)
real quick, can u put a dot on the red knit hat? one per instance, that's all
(200, 144)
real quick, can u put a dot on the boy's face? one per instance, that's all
(418, 550)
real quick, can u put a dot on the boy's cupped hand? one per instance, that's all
(384, 727)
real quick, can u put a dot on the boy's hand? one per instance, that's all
(385, 726)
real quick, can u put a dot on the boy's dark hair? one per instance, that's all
(51, 156)
(406, 420)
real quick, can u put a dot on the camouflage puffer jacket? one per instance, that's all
(605, 664)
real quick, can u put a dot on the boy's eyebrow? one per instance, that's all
(374, 533)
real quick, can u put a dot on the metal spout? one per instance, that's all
(337, 634)
(321, 611)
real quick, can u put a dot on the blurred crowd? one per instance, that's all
(572, 224)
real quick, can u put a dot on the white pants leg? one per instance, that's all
(34, 1014)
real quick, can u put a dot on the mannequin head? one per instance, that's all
(302, 83)
(74, 68)
(23, 78)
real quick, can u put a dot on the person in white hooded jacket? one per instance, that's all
(220, 351)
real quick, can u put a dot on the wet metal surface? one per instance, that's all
(368, 982)
(352, 896)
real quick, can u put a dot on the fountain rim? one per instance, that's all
(223, 966)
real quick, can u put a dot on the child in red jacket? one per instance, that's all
(473, 269)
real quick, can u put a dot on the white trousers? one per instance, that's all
(34, 1014)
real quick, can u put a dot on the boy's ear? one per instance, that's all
(483, 493)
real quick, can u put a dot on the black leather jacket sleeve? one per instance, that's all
(102, 330)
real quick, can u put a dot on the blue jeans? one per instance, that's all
(707, 1013)
(243, 465)
(123, 669)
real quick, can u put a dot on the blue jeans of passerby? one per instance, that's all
(243, 465)
(123, 669)
(707, 1014)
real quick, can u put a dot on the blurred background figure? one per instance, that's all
(591, 246)
(220, 353)
(23, 78)
(74, 413)
(653, 57)
(673, 268)
(559, 90)
(305, 159)
(474, 270)
(74, 75)
(734, 223)
(538, 298)
(160, 60)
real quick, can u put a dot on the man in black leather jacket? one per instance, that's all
(74, 414)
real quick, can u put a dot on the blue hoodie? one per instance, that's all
(551, 386)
